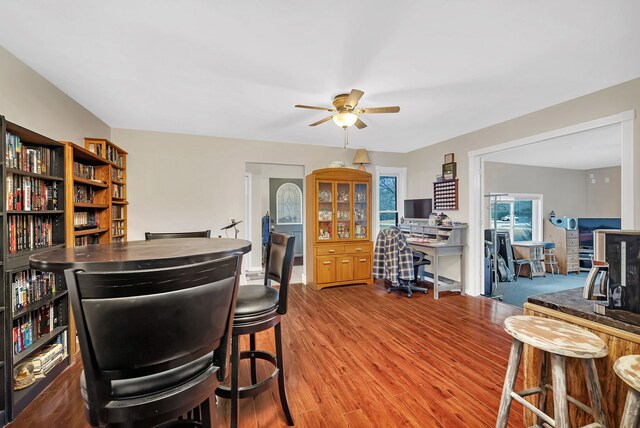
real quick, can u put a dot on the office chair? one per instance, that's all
(170, 235)
(154, 342)
(519, 263)
(258, 308)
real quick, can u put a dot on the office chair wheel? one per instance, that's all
(409, 294)
(425, 292)
(388, 290)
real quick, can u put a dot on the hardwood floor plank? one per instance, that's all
(359, 357)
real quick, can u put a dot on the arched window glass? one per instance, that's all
(289, 204)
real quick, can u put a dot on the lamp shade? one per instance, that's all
(361, 157)
(345, 119)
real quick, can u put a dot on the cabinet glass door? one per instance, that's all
(343, 210)
(325, 211)
(361, 210)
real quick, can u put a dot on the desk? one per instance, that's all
(532, 251)
(135, 255)
(435, 250)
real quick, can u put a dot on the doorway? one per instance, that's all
(478, 160)
(275, 202)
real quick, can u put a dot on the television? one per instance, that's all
(586, 226)
(417, 208)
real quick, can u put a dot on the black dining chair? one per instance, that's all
(258, 308)
(170, 235)
(154, 343)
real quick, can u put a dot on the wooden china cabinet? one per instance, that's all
(338, 224)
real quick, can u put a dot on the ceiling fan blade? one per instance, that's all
(321, 121)
(314, 108)
(360, 124)
(354, 97)
(369, 110)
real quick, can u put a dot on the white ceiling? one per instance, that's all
(236, 68)
(596, 148)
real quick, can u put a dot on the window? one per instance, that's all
(289, 204)
(388, 194)
(520, 215)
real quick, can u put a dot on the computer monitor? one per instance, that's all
(417, 208)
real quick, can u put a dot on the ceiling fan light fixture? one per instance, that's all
(345, 119)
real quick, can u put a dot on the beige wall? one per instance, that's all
(186, 182)
(424, 163)
(563, 190)
(603, 192)
(31, 101)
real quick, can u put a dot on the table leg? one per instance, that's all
(435, 275)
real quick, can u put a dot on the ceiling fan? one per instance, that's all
(345, 112)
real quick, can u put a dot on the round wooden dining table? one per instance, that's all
(135, 255)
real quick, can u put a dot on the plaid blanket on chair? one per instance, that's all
(393, 258)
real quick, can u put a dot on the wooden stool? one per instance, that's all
(557, 340)
(628, 369)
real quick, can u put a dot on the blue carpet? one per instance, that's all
(516, 293)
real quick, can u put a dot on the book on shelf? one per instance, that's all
(32, 326)
(80, 241)
(28, 158)
(28, 233)
(29, 286)
(86, 220)
(83, 193)
(30, 193)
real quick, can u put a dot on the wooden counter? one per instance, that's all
(621, 340)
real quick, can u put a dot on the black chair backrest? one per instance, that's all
(279, 265)
(170, 235)
(138, 323)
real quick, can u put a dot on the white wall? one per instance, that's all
(602, 187)
(260, 175)
(31, 101)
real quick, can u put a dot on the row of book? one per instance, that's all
(114, 156)
(47, 359)
(117, 227)
(31, 285)
(117, 211)
(31, 194)
(29, 232)
(32, 326)
(84, 171)
(118, 191)
(36, 159)
(117, 174)
(81, 241)
(83, 193)
(86, 219)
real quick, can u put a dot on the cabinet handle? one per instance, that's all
(332, 251)
(345, 261)
(358, 249)
(326, 263)
(363, 260)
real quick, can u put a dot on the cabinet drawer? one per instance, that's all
(362, 267)
(329, 249)
(365, 247)
(572, 251)
(325, 269)
(572, 243)
(344, 268)
(572, 234)
(573, 259)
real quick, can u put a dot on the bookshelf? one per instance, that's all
(34, 305)
(117, 160)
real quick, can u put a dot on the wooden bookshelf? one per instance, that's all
(34, 305)
(117, 160)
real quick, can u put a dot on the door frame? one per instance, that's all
(475, 273)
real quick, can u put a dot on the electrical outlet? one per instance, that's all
(593, 181)
(591, 176)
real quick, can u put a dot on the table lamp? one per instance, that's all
(361, 157)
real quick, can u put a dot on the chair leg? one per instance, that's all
(252, 347)
(595, 394)
(560, 404)
(509, 383)
(235, 362)
(631, 413)
(544, 380)
(207, 417)
(280, 366)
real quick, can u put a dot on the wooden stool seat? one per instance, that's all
(628, 369)
(558, 340)
(556, 337)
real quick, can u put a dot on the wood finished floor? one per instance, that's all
(359, 357)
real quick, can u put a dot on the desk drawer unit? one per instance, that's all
(567, 247)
